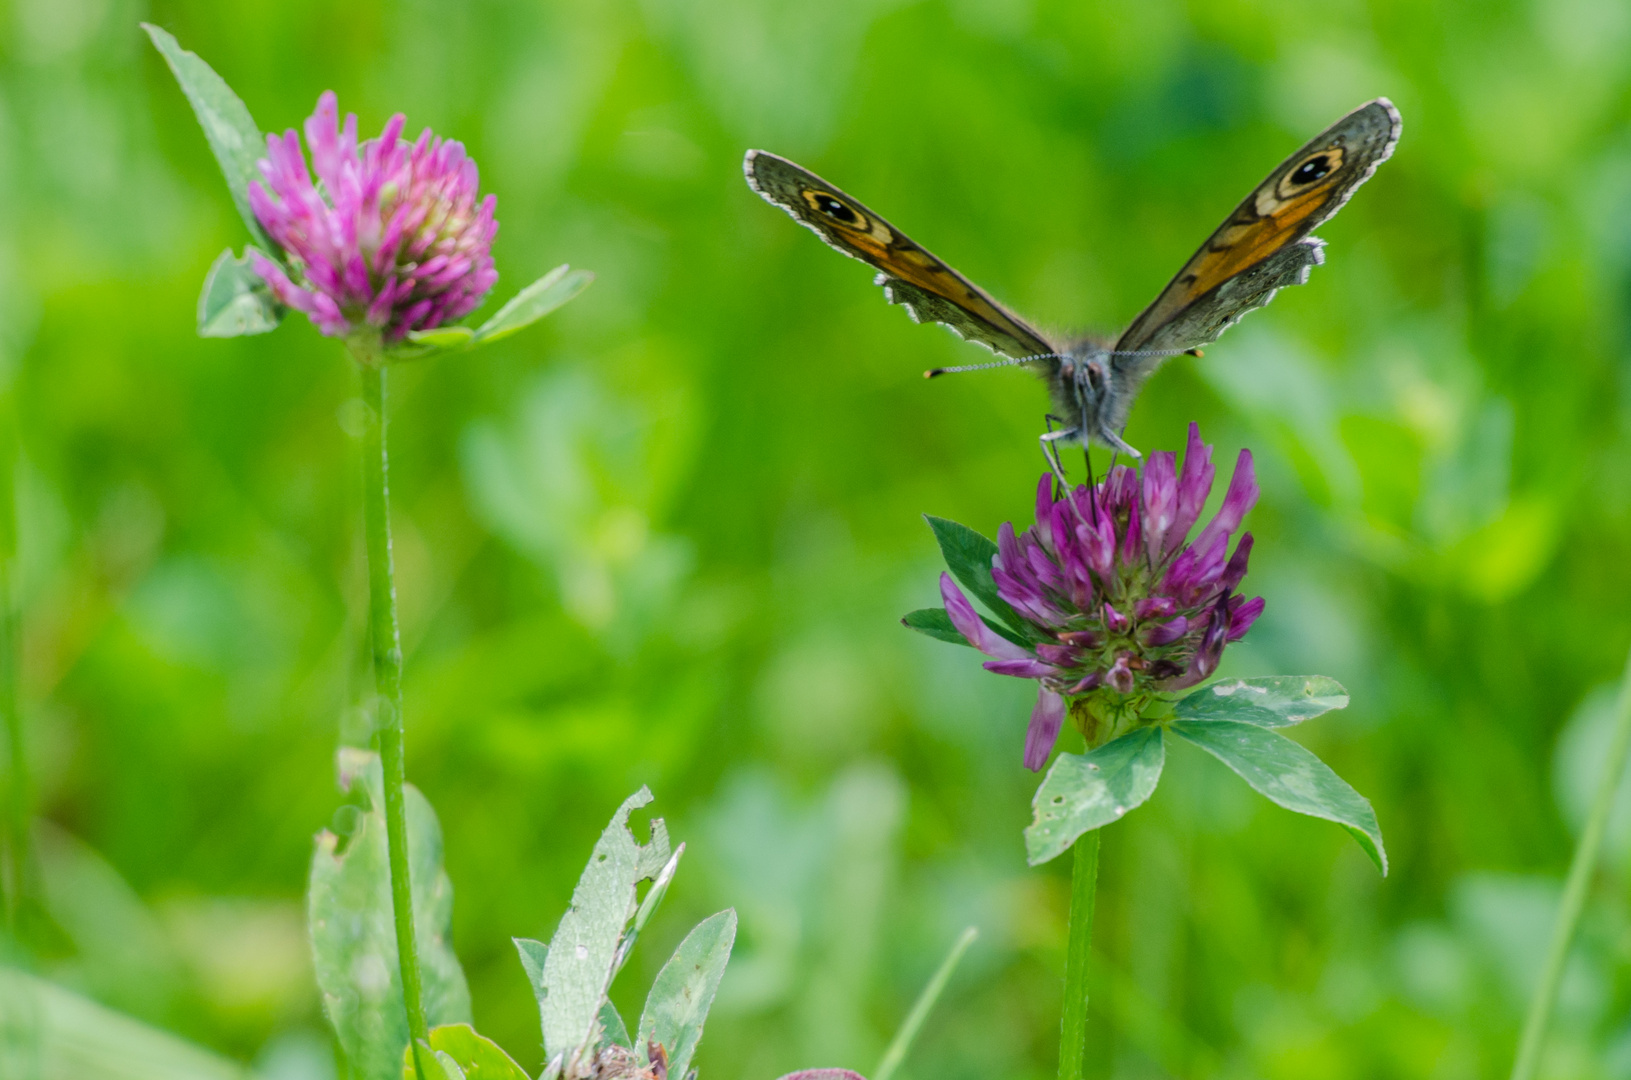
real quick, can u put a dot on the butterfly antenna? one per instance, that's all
(1157, 352)
(987, 367)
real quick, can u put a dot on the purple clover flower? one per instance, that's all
(393, 238)
(1113, 599)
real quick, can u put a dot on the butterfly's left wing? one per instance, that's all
(1265, 244)
(909, 275)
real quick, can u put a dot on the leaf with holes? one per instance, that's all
(1083, 792)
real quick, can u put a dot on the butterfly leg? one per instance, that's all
(1051, 452)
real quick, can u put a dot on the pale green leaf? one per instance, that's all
(1290, 775)
(233, 137)
(1087, 791)
(235, 300)
(578, 967)
(678, 1004)
(534, 302)
(1277, 701)
(353, 934)
(442, 337)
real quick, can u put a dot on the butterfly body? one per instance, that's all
(1263, 246)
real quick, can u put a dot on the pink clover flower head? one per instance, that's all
(393, 235)
(1114, 596)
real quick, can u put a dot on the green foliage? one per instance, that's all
(680, 998)
(472, 1055)
(352, 934)
(576, 971)
(968, 556)
(1275, 701)
(231, 131)
(684, 560)
(1087, 791)
(235, 300)
(1288, 774)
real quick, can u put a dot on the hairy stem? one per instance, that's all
(1084, 882)
(386, 642)
(1581, 868)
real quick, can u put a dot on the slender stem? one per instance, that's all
(386, 641)
(1574, 891)
(1084, 882)
(17, 815)
(902, 1042)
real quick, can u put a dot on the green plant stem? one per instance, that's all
(1084, 882)
(902, 1041)
(1581, 868)
(386, 641)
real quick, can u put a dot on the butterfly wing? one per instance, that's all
(927, 287)
(1265, 244)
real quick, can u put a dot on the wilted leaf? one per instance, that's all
(533, 303)
(678, 1004)
(354, 937)
(1086, 791)
(235, 300)
(1290, 775)
(1277, 701)
(233, 137)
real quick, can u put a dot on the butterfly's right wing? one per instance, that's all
(927, 287)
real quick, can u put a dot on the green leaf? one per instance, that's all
(235, 300)
(231, 131)
(1087, 791)
(534, 302)
(1277, 701)
(1290, 775)
(678, 1004)
(475, 1055)
(937, 624)
(968, 556)
(648, 908)
(577, 970)
(353, 935)
(443, 337)
(613, 1031)
(441, 1066)
(532, 959)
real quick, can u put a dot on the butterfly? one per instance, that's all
(1262, 247)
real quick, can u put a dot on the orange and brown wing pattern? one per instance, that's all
(1265, 244)
(929, 289)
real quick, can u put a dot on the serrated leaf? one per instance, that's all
(353, 934)
(1088, 791)
(1277, 701)
(968, 556)
(233, 137)
(578, 968)
(475, 1055)
(235, 300)
(1289, 774)
(684, 990)
(937, 624)
(533, 303)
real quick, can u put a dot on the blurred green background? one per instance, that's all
(665, 537)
